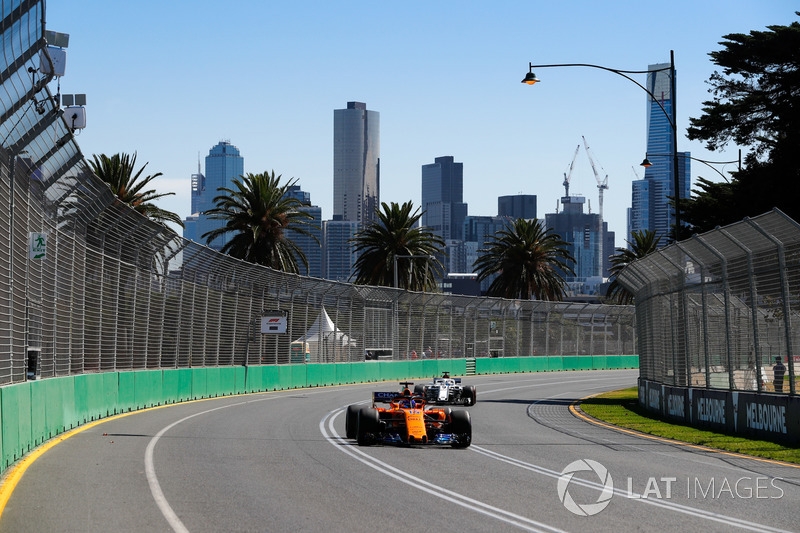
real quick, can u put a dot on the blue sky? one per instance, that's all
(171, 79)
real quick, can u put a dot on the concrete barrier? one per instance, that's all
(35, 411)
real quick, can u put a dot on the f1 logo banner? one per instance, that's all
(273, 322)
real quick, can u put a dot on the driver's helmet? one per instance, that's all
(407, 403)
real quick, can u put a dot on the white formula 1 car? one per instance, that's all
(447, 390)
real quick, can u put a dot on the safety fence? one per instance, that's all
(716, 311)
(87, 285)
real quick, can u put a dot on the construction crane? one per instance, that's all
(602, 183)
(568, 174)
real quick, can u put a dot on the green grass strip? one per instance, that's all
(621, 408)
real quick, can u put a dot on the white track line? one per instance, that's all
(150, 471)
(506, 516)
(418, 483)
(666, 504)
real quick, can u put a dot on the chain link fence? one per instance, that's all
(716, 311)
(88, 285)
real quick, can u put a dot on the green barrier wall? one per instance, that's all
(35, 411)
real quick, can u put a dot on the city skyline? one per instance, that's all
(439, 89)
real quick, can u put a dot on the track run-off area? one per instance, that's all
(279, 461)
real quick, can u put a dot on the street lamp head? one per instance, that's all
(646, 163)
(530, 78)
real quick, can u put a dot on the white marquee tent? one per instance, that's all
(324, 341)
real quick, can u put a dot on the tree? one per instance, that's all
(528, 260)
(128, 185)
(388, 240)
(755, 103)
(644, 242)
(260, 214)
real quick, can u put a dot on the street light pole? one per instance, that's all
(647, 163)
(531, 78)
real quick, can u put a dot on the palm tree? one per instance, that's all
(644, 242)
(128, 185)
(388, 241)
(259, 213)
(528, 260)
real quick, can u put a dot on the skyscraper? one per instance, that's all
(478, 231)
(517, 206)
(223, 164)
(650, 197)
(311, 247)
(443, 209)
(356, 163)
(584, 232)
(338, 255)
(198, 186)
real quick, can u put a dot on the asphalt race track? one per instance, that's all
(279, 462)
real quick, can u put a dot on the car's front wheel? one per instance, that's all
(461, 428)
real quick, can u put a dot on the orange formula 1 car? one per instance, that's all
(407, 420)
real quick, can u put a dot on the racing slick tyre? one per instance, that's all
(369, 424)
(351, 421)
(461, 427)
(419, 390)
(470, 395)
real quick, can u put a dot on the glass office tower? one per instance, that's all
(442, 198)
(356, 163)
(650, 197)
(223, 164)
(338, 254)
(584, 232)
(310, 245)
(517, 206)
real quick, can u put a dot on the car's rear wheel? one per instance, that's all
(351, 421)
(369, 423)
(419, 390)
(461, 428)
(470, 395)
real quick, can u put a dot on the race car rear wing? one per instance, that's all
(384, 397)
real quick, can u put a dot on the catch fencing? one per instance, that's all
(716, 311)
(88, 285)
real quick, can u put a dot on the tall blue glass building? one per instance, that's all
(477, 233)
(223, 164)
(443, 208)
(311, 247)
(338, 254)
(650, 197)
(356, 163)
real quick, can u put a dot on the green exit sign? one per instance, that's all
(37, 248)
